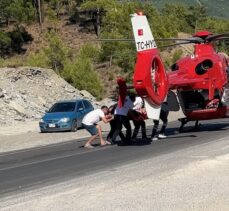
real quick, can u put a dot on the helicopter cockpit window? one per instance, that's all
(203, 66)
(175, 67)
(227, 69)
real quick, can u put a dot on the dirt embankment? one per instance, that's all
(25, 93)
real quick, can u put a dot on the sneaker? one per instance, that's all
(154, 138)
(162, 136)
(89, 146)
(108, 142)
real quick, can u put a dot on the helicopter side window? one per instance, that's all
(203, 66)
(227, 71)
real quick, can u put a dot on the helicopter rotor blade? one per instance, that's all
(115, 40)
(190, 40)
(221, 38)
(172, 45)
(187, 41)
(216, 37)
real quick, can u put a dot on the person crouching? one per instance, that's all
(90, 123)
(138, 115)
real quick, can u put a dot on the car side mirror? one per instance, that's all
(80, 109)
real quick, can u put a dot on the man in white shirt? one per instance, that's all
(90, 123)
(138, 115)
(138, 104)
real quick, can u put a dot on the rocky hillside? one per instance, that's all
(25, 93)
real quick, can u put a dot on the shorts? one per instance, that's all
(91, 129)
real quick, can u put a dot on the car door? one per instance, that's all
(80, 110)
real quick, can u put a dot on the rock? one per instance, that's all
(42, 101)
(15, 78)
(23, 92)
(86, 94)
(7, 97)
(37, 116)
(35, 72)
(107, 101)
(1, 93)
(69, 90)
(6, 101)
(4, 91)
(48, 83)
(18, 108)
(19, 118)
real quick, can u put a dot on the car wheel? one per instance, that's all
(43, 131)
(74, 126)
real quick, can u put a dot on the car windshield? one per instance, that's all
(63, 107)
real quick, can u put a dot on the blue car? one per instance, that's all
(65, 116)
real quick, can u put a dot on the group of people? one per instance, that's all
(119, 116)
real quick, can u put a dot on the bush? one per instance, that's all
(37, 60)
(79, 73)
(90, 51)
(74, 17)
(20, 11)
(19, 36)
(82, 76)
(177, 55)
(51, 15)
(56, 52)
(5, 43)
(16, 61)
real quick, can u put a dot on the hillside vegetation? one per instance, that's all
(214, 7)
(61, 34)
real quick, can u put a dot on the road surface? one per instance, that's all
(183, 172)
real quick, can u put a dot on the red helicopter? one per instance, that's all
(200, 80)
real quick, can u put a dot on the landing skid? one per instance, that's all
(184, 121)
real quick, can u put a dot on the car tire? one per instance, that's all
(74, 126)
(43, 131)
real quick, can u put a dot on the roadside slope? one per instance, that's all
(26, 92)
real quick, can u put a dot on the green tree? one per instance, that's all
(57, 53)
(116, 24)
(82, 76)
(5, 44)
(4, 14)
(20, 11)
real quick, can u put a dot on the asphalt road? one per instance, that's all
(38, 167)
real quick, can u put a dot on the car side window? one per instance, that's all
(80, 106)
(87, 105)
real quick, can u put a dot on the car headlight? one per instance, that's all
(41, 121)
(64, 120)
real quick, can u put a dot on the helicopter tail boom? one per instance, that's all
(150, 79)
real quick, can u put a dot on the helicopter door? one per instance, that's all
(172, 101)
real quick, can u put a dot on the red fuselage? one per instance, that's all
(199, 79)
